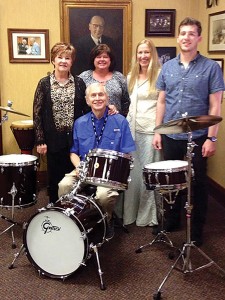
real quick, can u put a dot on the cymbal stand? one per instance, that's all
(162, 235)
(13, 192)
(185, 253)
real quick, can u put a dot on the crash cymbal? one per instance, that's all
(187, 124)
(11, 110)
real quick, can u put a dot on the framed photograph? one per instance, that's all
(160, 22)
(166, 53)
(114, 20)
(28, 45)
(216, 42)
(220, 61)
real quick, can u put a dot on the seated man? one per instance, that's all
(98, 129)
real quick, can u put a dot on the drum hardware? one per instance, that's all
(75, 227)
(162, 235)
(187, 125)
(9, 108)
(13, 193)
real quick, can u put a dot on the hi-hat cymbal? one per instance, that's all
(9, 109)
(187, 124)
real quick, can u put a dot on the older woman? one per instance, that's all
(59, 99)
(140, 204)
(102, 70)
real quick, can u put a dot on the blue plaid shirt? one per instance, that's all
(187, 90)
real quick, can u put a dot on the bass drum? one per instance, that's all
(58, 240)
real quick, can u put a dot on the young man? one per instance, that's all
(190, 85)
(97, 129)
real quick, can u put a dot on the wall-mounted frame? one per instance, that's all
(166, 53)
(28, 45)
(160, 22)
(220, 62)
(75, 18)
(216, 36)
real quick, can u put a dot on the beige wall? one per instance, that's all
(18, 81)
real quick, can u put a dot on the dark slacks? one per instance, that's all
(177, 150)
(58, 164)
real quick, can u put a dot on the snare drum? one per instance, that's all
(108, 168)
(169, 174)
(58, 240)
(18, 170)
(24, 135)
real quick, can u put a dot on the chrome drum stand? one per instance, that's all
(185, 253)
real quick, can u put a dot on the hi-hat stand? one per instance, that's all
(185, 254)
(13, 192)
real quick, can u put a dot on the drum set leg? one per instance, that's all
(162, 235)
(13, 193)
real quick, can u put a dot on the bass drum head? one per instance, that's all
(54, 243)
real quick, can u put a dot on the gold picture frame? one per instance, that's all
(75, 17)
(28, 45)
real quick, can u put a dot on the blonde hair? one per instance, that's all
(153, 67)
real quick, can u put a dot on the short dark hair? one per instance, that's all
(99, 49)
(191, 21)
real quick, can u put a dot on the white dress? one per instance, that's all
(140, 203)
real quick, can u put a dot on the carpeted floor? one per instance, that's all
(126, 274)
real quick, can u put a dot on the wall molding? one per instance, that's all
(216, 191)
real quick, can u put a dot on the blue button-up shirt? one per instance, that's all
(188, 89)
(116, 135)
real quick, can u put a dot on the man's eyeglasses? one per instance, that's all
(97, 26)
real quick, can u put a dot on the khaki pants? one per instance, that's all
(105, 197)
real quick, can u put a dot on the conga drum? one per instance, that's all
(24, 135)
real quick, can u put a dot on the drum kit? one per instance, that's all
(169, 177)
(75, 225)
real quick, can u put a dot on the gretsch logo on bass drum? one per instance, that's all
(47, 226)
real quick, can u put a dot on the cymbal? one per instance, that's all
(187, 124)
(9, 109)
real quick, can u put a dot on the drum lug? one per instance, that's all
(2, 170)
(20, 170)
(84, 235)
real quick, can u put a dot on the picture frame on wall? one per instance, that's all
(160, 22)
(75, 28)
(166, 53)
(28, 45)
(216, 36)
(220, 61)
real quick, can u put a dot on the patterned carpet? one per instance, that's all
(126, 274)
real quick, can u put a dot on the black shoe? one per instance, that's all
(110, 230)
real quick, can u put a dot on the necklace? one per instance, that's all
(98, 138)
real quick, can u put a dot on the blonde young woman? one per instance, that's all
(140, 203)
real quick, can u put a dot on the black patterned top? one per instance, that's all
(53, 121)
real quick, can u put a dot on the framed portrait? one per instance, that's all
(77, 22)
(160, 22)
(216, 42)
(220, 61)
(166, 53)
(28, 45)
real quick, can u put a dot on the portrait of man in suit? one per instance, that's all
(95, 31)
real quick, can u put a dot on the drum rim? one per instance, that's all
(108, 153)
(19, 164)
(103, 182)
(168, 169)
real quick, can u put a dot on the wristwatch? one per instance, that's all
(212, 138)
